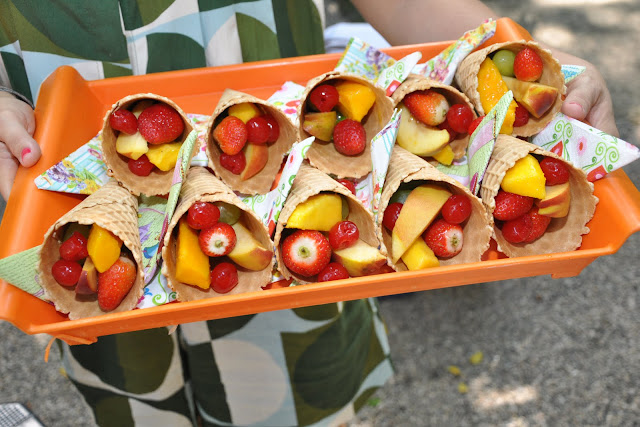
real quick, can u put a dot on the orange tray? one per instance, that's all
(69, 113)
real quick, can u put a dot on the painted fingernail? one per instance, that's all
(25, 152)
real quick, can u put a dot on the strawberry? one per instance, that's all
(124, 121)
(115, 283)
(554, 170)
(217, 240)
(235, 163)
(142, 166)
(510, 206)
(202, 215)
(74, 248)
(444, 239)
(333, 271)
(391, 215)
(527, 65)
(517, 230)
(474, 124)
(231, 134)
(306, 252)
(522, 116)
(160, 123)
(349, 184)
(349, 137)
(539, 224)
(428, 106)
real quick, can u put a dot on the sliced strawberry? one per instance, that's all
(233, 163)
(258, 130)
(349, 184)
(324, 97)
(333, 271)
(224, 277)
(554, 170)
(115, 283)
(306, 252)
(517, 230)
(510, 206)
(391, 214)
(444, 239)
(74, 248)
(231, 135)
(343, 235)
(124, 121)
(539, 224)
(528, 65)
(218, 240)
(160, 123)
(522, 116)
(349, 137)
(428, 106)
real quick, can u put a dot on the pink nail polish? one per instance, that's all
(25, 152)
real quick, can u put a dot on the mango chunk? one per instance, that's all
(164, 156)
(245, 111)
(525, 178)
(491, 88)
(192, 265)
(103, 248)
(354, 99)
(445, 156)
(319, 212)
(419, 256)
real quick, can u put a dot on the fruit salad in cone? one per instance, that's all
(529, 71)
(428, 219)
(435, 119)
(325, 233)
(246, 141)
(141, 137)
(215, 245)
(343, 112)
(91, 260)
(540, 202)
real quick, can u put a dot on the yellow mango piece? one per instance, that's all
(419, 256)
(103, 248)
(491, 88)
(192, 265)
(354, 99)
(445, 156)
(164, 156)
(245, 111)
(525, 178)
(319, 212)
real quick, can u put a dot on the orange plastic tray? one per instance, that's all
(69, 112)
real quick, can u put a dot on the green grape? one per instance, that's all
(229, 214)
(400, 196)
(345, 208)
(504, 61)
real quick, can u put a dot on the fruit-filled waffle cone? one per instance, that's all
(322, 154)
(310, 182)
(466, 78)
(158, 181)
(261, 182)
(202, 186)
(405, 167)
(562, 234)
(113, 208)
(416, 82)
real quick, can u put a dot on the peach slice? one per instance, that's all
(535, 97)
(257, 156)
(556, 202)
(360, 259)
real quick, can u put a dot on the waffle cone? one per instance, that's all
(416, 82)
(202, 186)
(309, 182)
(113, 208)
(158, 182)
(467, 79)
(323, 155)
(261, 182)
(405, 167)
(563, 234)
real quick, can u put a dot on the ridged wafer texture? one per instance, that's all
(158, 182)
(466, 78)
(323, 155)
(563, 234)
(202, 186)
(405, 167)
(261, 182)
(416, 82)
(308, 182)
(113, 208)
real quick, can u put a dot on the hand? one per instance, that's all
(588, 99)
(17, 146)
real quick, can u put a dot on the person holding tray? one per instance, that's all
(315, 365)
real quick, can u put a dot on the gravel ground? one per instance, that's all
(555, 352)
